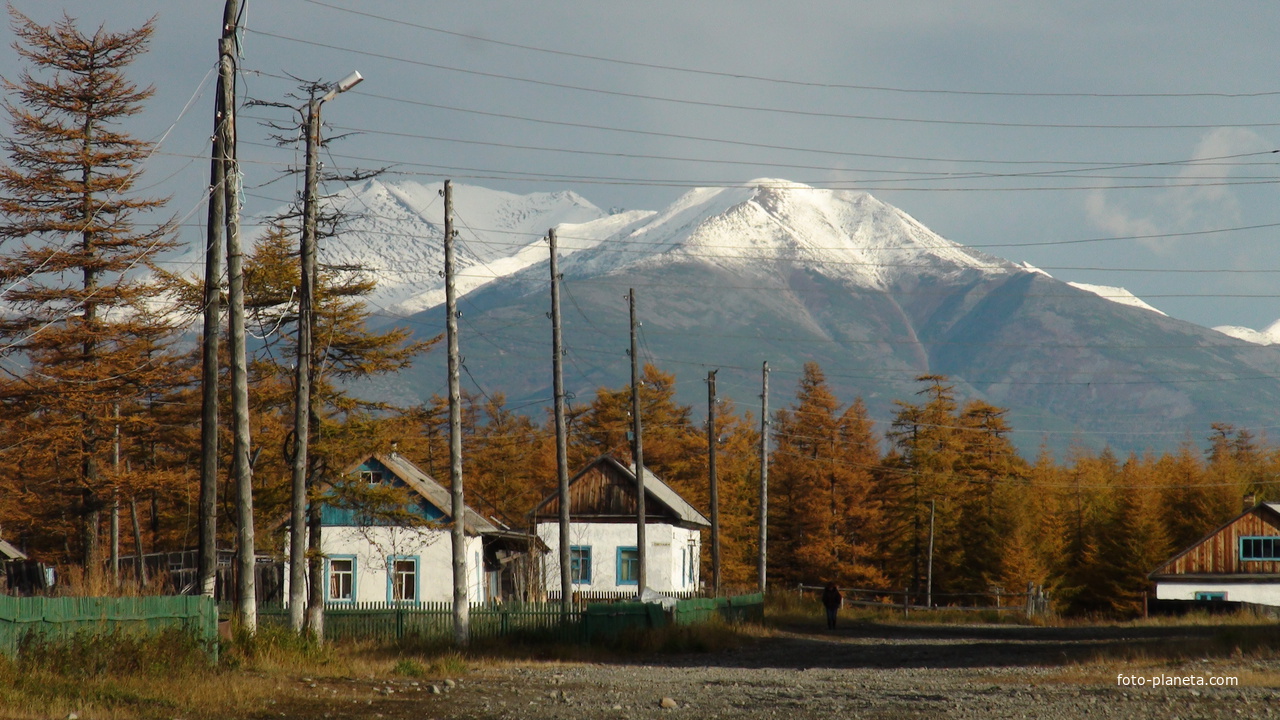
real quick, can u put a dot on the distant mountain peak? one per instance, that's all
(747, 228)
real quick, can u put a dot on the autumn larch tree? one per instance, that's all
(76, 341)
(824, 518)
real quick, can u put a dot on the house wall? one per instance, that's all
(432, 547)
(671, 560)
(1220, 553)
(1260, 593)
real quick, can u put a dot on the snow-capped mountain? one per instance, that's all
(774, 271)
(847, 234)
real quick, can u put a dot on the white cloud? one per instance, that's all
(1197, 198)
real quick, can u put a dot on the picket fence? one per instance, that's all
(380, 621)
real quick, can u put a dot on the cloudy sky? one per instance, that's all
(1111, 143)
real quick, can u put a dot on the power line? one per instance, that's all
(787, 81)
(753, 108)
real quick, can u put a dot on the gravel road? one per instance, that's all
(863, 671)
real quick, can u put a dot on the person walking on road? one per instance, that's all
(832, 600)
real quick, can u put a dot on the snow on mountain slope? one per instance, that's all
(840, 233)
(570, 238)
(396, 233)
(1270, 335)
(1116, 294)
(1106, 292)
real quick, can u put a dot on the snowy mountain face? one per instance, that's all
(842, 234)
(1270, 335)
(396, 233)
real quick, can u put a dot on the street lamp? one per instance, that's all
(302, 399)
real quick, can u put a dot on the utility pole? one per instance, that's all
(712, 441)
(929, 577)
(461, 604)
(302, 376)
(208, 538)
(637, 448)
(761, 572)
(562, 449)
(302, 372)
(246, 592)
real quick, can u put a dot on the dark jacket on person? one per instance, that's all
(831, 597)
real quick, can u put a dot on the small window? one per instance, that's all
(372, 477)
(628, 566)
(580, 564)
(1260, 548)
(404, 580)
(341, 579)
(1211, 597)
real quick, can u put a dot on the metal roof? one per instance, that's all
(434, 492)
(607, 496)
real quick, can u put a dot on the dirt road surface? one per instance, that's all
(863, 671)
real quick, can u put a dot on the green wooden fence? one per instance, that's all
(434, 621)
(64, 617)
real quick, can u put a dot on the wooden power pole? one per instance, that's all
(637, 448)
(246, 589)
(761, 571)
(562, 450)
(206, 578)
(461, 604)
(713, 482)
(302, 376)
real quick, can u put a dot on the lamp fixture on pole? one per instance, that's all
(306, 320)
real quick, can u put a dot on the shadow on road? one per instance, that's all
(873, 645)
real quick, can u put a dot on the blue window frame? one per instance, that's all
(402, 578)
(628, 566)
(1211, 596)
(1256, 548)
(580, 564)
(340, 578)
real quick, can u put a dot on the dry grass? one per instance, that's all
(277, 667)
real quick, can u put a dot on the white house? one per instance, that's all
(372, 561)
(602, 532)
(1238, 562)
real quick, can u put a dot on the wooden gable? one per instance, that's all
(604, 491)
(374, 470)
(1218, 553)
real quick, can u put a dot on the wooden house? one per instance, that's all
(377, 561)
(1238, 562)
(602, 531)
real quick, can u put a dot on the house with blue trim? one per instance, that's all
(602, 532)
(1238, 562)
(368, 559)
